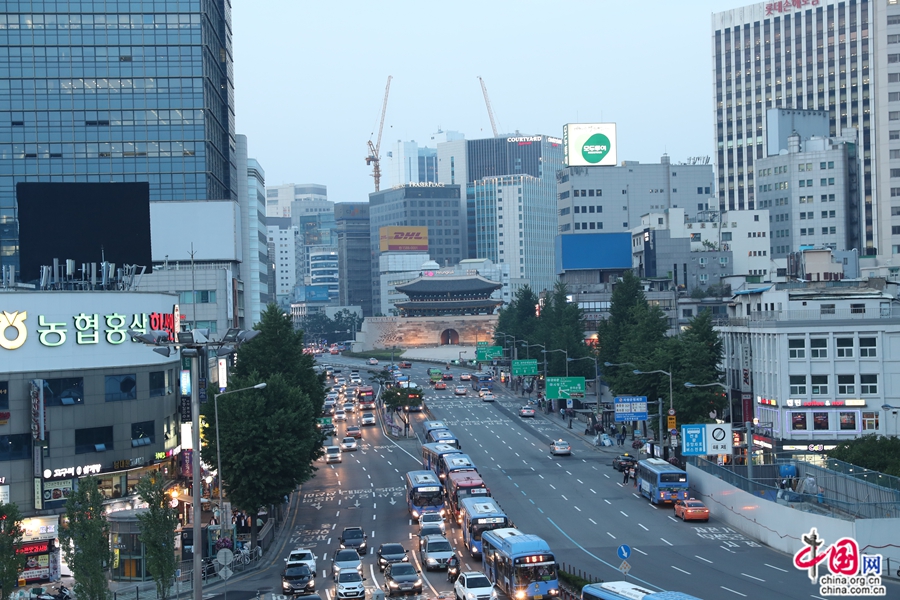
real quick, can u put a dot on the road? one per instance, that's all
(577, 503)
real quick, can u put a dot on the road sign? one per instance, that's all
(630, 408)
(670, 422)
(625, 567)
(225, 573)
(565, 387)
(481, 344)
(224, 556)
(671, 412)
(704, 440)
(525, 367)
(488, 352)
(623, 551)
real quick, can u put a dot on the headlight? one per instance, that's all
(520, 594)
(382, 561)
(442, 512)
(554, 592)
(431, 561)
(405, 559)
(493, 593)
(415, 514)
(470, 595)
(418, 582)
(393, 584)
(342, 545)
(311, 583)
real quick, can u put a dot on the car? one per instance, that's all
(304, 556)
(560, 448)
(465, 377)
(460, 390)
(623, 461)
(348, 444)
(440, 385)
(489, 397)
(349, 584)
(328, 408)
(526, 411)
(372, 361)
(348, 407)
(691, 510)
(391, 553)
(367, 419)
(483, 391)
(447, 376)
(434, 551)
(405, 364)
(297, 578)
(432, 518)
(354, 431)
(355, 379)
(333, 454)
(402, 578)
(340, 381)
(345, 559)
(340, 415)
(429, 529)
(354, 537)
(334, 351)
(473, 585)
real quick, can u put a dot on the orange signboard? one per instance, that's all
(403, 239)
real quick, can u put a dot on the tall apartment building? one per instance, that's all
(116, 92)
(816, 55)
(885, 38)
(283, 254)
(254, 236)
(354, 255)
(310, 198)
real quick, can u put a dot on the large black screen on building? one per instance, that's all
(82, 221)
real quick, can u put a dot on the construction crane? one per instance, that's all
(487, 101)
(374, 158)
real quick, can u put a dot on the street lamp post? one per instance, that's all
(541, 346)
(887, 407)
(566, 352)
(690, 385)
(658, 402)
(512, 352)
(596, 377)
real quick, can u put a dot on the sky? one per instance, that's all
(310, 78)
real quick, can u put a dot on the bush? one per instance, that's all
(574, 581)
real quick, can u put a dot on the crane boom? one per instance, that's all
(374, 158)
(487, 102)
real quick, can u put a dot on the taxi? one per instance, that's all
(440, 385)
(560, 448)
(691, 510)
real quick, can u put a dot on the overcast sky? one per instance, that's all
(310, 77)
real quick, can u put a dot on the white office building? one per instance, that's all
(310, 198)
(283, 256)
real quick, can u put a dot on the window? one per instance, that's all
(200, 296)
(64, 391)
(797, 348)
(868, 384)
(599, 192)
(687, 313)
(820, 421)
(160, 383)
(121, 387)
(819, 385)
(93, 439)
(857, 309)
(818, 348)
(846, 384)
(867, 348)
(870, 421)
(143, 433)
(726, 236)
(894, 134)
(798, 421)
(798, 385)
(4, 395)
(15, 447)
(844, 347)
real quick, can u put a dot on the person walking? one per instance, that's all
(627, 472)
(634, 479)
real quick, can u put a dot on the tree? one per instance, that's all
(11, 563)
(519, 319)
(85, 540)
(695, 357)
(612, 332)
(157, 525)
(875, 452)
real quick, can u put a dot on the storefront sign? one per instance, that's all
(34, 548)
(128, 463)
(57, 491)
(167, 454)
(809, 447)
(4, 493)
(798, 402)
(38, 416)
(39, 528)
(766, 401)
(72, 471)
(4, 417)
(519, 140)
(788, 6)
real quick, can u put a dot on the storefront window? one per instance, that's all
(820, 421)
(848, 421)
(870, 421)
(798, 421)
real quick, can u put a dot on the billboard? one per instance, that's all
(403, 239)
(589, 144)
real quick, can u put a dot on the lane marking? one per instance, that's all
(641, 551)
(579, 481)
(592, 490)
(677, 569)
(734, 592)
(578, 509)
(752, 577)
(705, 560)
(642, 527)
(607, 501)
(551, 485)
(623, 512)
(610, 535)
(667, 541)
(592, 521)
(776, 568)
(564, 497)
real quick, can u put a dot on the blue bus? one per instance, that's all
(455, 462)
(442, 436)
(424, 493)
(519, 564)
(482, 380)
(660, 481)
(430, 425)
(625, 590)
(432, 453)
(480, 515)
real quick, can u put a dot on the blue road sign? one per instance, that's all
(693, 440)
(623, 551)
(630, 408)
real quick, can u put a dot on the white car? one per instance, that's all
(349, 584)
(432, 518)
(373, 361)
(473, 585)
(332, 455)
(560, 448)
(489, 397)
(460, 390)
(367, 419)
(302, 555)
(340, 415)
(483, 391)
(348, 444)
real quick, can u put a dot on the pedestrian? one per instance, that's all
(631, 471)
(626, 472)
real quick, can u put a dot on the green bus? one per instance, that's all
(435, 374)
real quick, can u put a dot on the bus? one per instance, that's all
(435, 374)
(365, 395)
(429, 425)
(480, 515)
(413, 401)
(424, 493)
(432, 453)
(625, 590)
(442, 436)
(451, 463)
(461, 485)
(519, 564)
(482, 380)
(660, 481)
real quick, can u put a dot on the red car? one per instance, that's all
(440, 385)
(405, 364)
(447, 376)
(691, 510)
(354, 432)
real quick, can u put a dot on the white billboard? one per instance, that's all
(590, 144)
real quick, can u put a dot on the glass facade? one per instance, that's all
(118, 91)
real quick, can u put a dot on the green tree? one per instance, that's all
(519, 319)
(695, 356)
(157, 525)
(612, 332)
(561, 327)
(875, 452)
(11, 563)
(85, 541)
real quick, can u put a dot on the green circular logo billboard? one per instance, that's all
(596, 148)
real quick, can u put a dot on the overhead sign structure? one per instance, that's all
(525, 367)
(589, 144)
(488, 352)
(630, 408)
(704, 440)
(403, 239)
(565, 387)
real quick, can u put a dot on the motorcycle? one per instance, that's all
(62, 593)
(452, 573)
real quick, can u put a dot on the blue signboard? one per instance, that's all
(693, 440)
(623, 552)
(630, 408)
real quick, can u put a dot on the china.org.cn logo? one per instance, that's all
(16, 321)
(851, 573)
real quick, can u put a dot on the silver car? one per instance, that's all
(434, 552)
(344, 559)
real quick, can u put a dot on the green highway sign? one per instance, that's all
(489, 353)
(525, 367)
(481, 344)
(565, 387)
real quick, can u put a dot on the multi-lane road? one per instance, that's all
(577, 503)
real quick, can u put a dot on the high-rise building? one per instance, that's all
(814, 55)
(254, 271)
(282, 238)
(885, 36)
(407, 162)
(354, 255)
(309, 198)
(116, 92)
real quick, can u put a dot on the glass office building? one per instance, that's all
(117, 91)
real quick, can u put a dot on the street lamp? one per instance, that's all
(688, 384)
(596, 376)
(566, 352)
(639, 372)
(512, 352)
(657, 402)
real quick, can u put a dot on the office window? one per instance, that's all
(121, 387)
(846, 384)
(797, 348)
(868, 384)
(867, 347)
(143, 433)
(16, 446)
(826, 309)
(198, 297)
(93, 439)
(599, 192)
(844, 347)
(819, 385)
(870, 421)
(4, 395)
(818, 348)
(857, 309)
(798, 385)
(64, 391)
(160, 383)
(798, 421)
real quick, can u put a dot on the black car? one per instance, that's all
(389, 554)
(624, 461)
(430, 529)
(354, 537)
(297, 579)
(402, 578)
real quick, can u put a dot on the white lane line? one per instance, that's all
(641, 551)
(338, 514)
(568, 473)
(677, 569)
(592, 490)
(329, 542)
(610, 535)
(703, 559)
(776, 568)
(396, 469)
(642, 527)
(673, 518)
(532, 468)
(333, 526)
(728, 549)
(607, 501)
(578, 509)
(541, 476)
(516, 453)
(339, 502)
(564, 497)
(752, 577)
(623, 512)
(605, 475)
(734, 592)
(551, 485)
(592, 521)
(374, 505)
(579, 481)
(667, 541)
